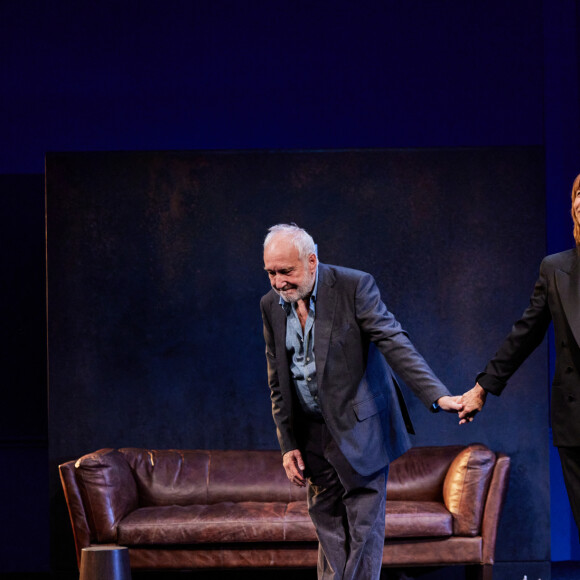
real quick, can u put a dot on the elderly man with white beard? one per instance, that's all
(339, 417)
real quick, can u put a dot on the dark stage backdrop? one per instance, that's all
(155, 274)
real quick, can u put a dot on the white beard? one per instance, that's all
(298, 293)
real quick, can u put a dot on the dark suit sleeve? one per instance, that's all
(281, 406)
(525, 336)
(385, 331)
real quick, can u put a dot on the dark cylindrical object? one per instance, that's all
(105, 563)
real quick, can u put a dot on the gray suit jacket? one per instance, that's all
(356, 392)
(556, 297)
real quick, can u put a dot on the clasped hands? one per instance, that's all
(466, 405)
(472, 402)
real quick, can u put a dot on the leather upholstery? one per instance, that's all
(465, 488)
(419, 474)
(205, 509)
(216, 523)
(417, 519)
(185, 477)
(108, 490)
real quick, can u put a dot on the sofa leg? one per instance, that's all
(481, 572)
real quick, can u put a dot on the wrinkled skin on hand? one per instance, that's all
(294, 467)
(473, 402)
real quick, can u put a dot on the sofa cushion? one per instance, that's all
(229, 522)
(108, 490)
(225, 522)
(299, 526)
(417, 519)
(465, 488)
(419, 473)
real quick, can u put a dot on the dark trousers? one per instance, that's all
(347, 509)
(570, 458)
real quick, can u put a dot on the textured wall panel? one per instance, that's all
(155, 274)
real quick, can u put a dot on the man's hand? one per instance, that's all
(473, 402)
(450, 404)
(294, 466)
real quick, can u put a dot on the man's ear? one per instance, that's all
(312, 262)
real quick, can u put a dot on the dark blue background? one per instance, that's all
(78, 76)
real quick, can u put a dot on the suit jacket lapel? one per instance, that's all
(568, 284)
(279, 319)
(325, 309)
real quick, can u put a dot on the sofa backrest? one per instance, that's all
(419, 474)
(183, 477)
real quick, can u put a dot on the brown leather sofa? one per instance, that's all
(235, 509)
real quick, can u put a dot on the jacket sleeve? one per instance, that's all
(525, 336)
(281, 405)
(393, 342)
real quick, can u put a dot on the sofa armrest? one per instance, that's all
(108, 490)
(76, 509)
(465, 488)
(494, 505)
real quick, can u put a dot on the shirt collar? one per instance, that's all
(288, 305)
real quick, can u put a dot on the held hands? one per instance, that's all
(473, 402)
(450, 404)
(294, 466)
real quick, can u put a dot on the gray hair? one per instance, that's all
(300, 238)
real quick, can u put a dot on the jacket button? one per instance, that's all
(571, 398)
(569, 370)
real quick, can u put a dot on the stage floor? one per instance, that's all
(560, 571)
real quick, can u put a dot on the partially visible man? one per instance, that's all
(556, 299)
(334, 401)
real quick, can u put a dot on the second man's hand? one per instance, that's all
(473, 402)
(294, 467)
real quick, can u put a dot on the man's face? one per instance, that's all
(290, 277)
